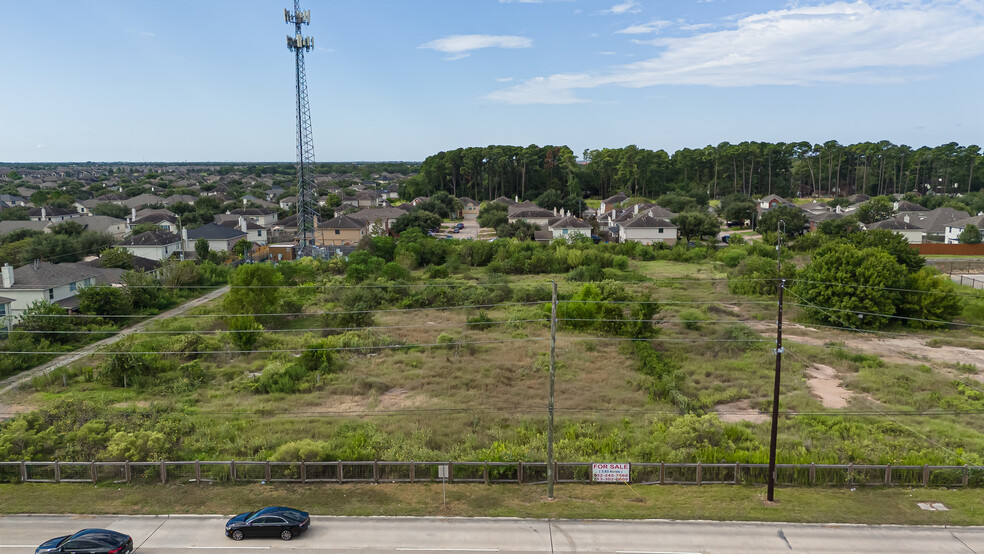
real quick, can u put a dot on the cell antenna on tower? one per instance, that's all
(306, 193)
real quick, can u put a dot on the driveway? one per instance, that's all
(469, 231)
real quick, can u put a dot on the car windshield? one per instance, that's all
(248, 515)
(293, 515)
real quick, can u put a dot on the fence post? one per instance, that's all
(163, 472)
(126, 471)
(267, 473)
(303, 471)
(592, 472)
(966, 475)
(699, 472)
(813, 473)
(450, 472)
(662, 473)
(375, 471)
(412, 476)
(737, 471)
(57, 472)
(232, 470)
(850, 474)
(340, 478)
(926, 475)
(198, 472)
(519, 472)
(485, 472)
(23, 470)
(92, 469)
(888, 475)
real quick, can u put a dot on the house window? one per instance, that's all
(3, 310)
(337, 232)
(51, 294)
(73, 286)
(660, 230)
(88, 281)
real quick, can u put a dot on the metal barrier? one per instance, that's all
(339, 472)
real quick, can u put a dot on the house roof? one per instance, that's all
(342, 222)
(99, 222)
(933, 221)
(615, 199)
(893, 225)
(570, 222)
(152, 238)
(142, 200)
(251, 211)
(506, 201)
(531, 213)
(214, 231)
(5, 300)
(44, 275)
(906, 206)
(13, 225)
(542, 236)
(645, 221)
(234, 223)
(49, 211)
(372, 214)
(975, 220)
(466, 200)
(156, 217)
(175, 198)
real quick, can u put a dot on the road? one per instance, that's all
(10, 383)
(204, 534)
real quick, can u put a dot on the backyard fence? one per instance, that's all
(342, 472)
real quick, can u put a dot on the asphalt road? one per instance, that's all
(204, 534)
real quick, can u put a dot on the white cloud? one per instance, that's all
(460, 45)
(631, 6)
(505, 79)
(863, 42)
(653, 26)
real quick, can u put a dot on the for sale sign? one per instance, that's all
(610, 473)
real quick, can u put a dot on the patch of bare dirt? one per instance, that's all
(740, 411)
(825, 385)
(393, 399)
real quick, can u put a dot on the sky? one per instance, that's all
(213, 80)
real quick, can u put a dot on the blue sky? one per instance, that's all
(99, 80)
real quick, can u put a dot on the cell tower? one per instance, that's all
(306, 193)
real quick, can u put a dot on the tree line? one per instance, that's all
(750, 167)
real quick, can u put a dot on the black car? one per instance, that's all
(89, 541)
(285, 523)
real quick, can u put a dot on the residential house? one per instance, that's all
(537, 216)
(56, 283)
(612, 202)
(51, 215)
(12, 200)
(255, 233)
(104, 224)
(178, 198)
(954, 228)
(153, 245)
(646, 229)
(505, 201)
(342, 230)
(220, 238)
(5, 312)
(261, 216)
(771, 201)
(164, 220)
(419, 200)
(814, 221)
(569, 227)
(288, 202)
(933, 223)
(16, 225)
(469, 206)
(911, 232)
(378, 220)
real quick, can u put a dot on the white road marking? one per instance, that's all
(409, 549)
(651, 552)
(232, 547)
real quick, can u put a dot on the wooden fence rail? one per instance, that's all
(339, 472)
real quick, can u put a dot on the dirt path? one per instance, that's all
(10, 383)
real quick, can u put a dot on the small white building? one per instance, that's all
(220, 238)
(153, 245)
(646, 229)
(569, 227)
(55, 283)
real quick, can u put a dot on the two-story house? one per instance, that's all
(153, 245)
(55, 283)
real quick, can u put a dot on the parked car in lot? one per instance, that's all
(89, 541)
(272, 521)
(459, 226)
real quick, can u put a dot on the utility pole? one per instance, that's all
(550, 407)
(781, 226)
(306, 193)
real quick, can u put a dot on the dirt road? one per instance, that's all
(9, 384)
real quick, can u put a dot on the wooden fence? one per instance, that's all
(341, 472)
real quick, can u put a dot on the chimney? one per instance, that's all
(517, 199)
(242, 224)
(555, 211)
(184, 238)
(44, 214)
(7, 276)
(635, 209)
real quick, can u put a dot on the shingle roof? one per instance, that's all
(251, 211)
(372, 214)
(893, 225)
(570, 222)
(644, 221)
(466, 200)
(534, 212)
(504, 200)
(13, 225)
(234, 223)
(342, 222)
(151, 238)
(156, 217)
(49, 211)
(45, 275)
(5, 300)
(214, 231)
(615, 199)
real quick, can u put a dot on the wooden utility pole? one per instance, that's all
(775, 390)
(550, 406)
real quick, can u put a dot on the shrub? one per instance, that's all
(692, 318)
(244, 332)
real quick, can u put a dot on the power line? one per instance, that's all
(857, 286)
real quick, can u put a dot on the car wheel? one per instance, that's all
(286, 535)
(237, 535)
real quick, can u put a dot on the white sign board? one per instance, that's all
(442, 471)
(610, 473)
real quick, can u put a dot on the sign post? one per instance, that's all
(442, 472)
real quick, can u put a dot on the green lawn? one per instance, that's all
(718, 502)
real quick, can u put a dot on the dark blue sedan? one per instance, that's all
(272, 521)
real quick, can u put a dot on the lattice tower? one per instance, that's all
(307, 196)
